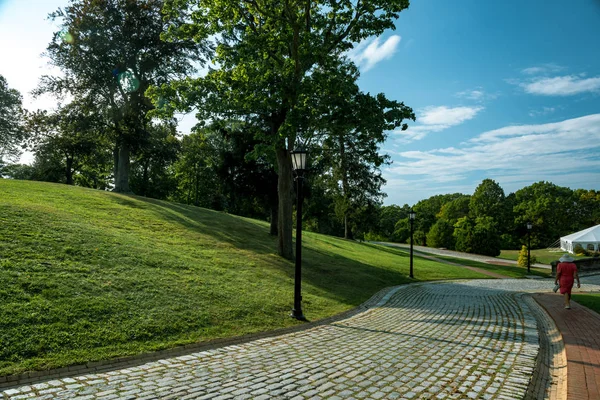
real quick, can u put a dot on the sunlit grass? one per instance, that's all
(512, 271)
(89, 275)
(543, 256)
(591, 301)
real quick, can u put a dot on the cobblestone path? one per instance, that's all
(471, 339)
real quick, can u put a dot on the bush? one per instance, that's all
(579, 250)
(441, 234)
(508, 242)
(522, 261)
(374, 237)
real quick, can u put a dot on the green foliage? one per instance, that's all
(522, 260)
(479, 236)
(419, 238)
(488, 201)
(579, 250)
(401, 231)
(89, 275)
(282, 70)
(550, 208)
(11, 123)
(112, 55)
(350, 150)
(427, 210)
(508, 241)
(65, 140)
(441, 234)
(463, 233)
(455, 209)
(152, 172)
(389, 217)
(17, 171)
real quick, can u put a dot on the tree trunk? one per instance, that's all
(145, 179)
(273, 201)
(274, 219)
(122, 173)
(347, 230)
(116, 163)
(284, 190)
(197, 186)
(69, 171)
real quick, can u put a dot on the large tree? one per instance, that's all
(276, 62)
(109, 53)
(68, 136)
(11, 117)
(355, 127)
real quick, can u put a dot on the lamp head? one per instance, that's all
(299, 160)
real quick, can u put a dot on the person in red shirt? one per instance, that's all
(566, 273)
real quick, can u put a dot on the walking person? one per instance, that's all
(566, 273)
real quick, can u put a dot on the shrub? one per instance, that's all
(374, 237)
(522, 261)
(579, 250)
(441, 234)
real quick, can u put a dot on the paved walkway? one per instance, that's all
(579, 328)
(463, 339)
(465, 256)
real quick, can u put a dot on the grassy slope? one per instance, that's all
(543, 256)
(88, 275)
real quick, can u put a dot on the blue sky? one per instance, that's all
(508, 90)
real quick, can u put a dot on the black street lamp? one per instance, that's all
(299, 165)
(411, 217)
(529, 226)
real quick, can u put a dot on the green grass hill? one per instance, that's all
(89, 275)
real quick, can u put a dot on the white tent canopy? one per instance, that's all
(588, 238)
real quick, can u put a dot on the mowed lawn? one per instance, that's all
(512, 271)
(543, 256)
(89, 275)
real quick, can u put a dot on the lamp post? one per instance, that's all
(299, 165)
(529, 226)
(411, 217)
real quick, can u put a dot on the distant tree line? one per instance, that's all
(488, 220)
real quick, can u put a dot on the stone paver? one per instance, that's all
(467, 339)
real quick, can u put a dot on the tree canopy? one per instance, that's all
(11, 122)
(278, 66)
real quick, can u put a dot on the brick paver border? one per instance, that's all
(549, 380)
(580, 329)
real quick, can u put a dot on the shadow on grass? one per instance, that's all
(337, 277)
(390, 250)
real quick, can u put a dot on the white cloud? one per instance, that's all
(443, 115)
(368, 52)
(476, 94)
(542, 111)
(533, 70)
(437, 119)
(562, 85)
(542, 69)
(523, 153)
